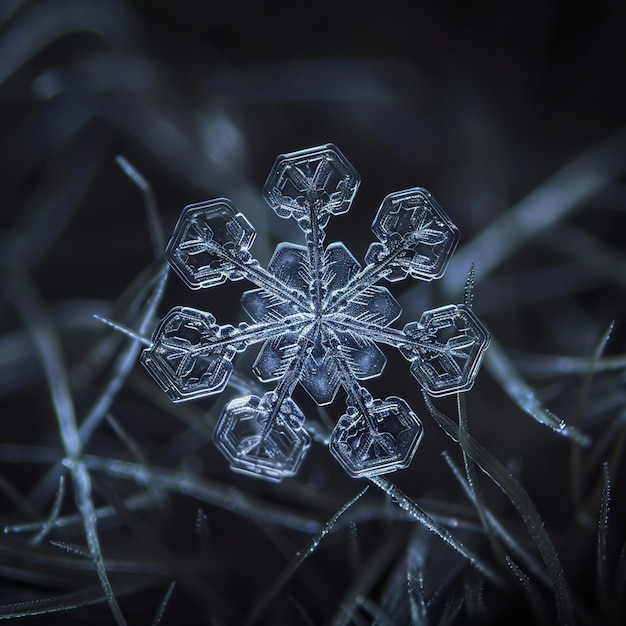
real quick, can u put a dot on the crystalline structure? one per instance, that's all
(318, 315)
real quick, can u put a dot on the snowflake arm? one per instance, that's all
(191, 356)
(373, 436)
(319, 316)
(416, 238)
(445, 346)
(265, 436)
(211, 244)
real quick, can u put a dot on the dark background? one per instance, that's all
(481, 103)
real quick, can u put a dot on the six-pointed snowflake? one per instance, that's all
(318, 315)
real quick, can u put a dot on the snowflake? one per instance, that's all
(318, 315)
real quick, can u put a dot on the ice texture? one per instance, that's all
(318, 315)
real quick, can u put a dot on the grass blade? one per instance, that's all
(524, 505)
(545, 206)
(602, 568)
(155, 224)
(27, 303)
(54, 514)
(511, 381)
(282, 579)
(161, 610)
(419, 615)
(534, 597)
(575, 458)
(404, 502)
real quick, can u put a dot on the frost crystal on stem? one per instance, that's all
(318, 315)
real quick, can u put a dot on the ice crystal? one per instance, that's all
(318, 315)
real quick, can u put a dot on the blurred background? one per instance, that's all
(511, 114)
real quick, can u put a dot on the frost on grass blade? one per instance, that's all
(318, 315)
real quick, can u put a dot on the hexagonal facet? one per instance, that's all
(275, 356)
(274, 452)
(320, 378)
(384, 443)
(376, 305)
(413, 224)
(207, 237)
(320, 178)
(180, 358)
(287, 264)
(340, 266)
(363, 356)
(447, 349)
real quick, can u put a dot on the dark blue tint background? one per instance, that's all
(482, 103)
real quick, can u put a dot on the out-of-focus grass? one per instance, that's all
(115, 504)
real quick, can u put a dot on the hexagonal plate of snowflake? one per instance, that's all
(318, 315)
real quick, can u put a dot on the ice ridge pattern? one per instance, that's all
(318, 315)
